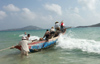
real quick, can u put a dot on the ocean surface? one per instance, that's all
(77, 46)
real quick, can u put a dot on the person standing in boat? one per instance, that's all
(24, 46)
(57, 25)
(62, 26)
(47, 34)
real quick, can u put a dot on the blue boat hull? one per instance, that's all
(40, 46)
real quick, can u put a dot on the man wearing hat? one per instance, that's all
(57, 25)
(24, 46)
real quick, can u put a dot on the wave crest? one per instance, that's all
(67, 42)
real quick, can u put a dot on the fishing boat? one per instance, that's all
(38, 45)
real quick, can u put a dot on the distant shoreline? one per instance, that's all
(19, 30)
(24, 28)
(38, 28)
(95, 25)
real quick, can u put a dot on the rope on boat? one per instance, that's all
(5, 49)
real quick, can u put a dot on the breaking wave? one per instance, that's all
(67, 42)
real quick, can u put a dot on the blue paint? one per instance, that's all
(42, 45)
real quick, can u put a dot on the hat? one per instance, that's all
(23, 38)
(56, 21)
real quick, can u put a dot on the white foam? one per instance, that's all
(31, 37)
(67, 42)
(34, 37)
(21, 35)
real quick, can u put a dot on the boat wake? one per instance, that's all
(67, 42)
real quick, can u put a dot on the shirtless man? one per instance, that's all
(47, 34)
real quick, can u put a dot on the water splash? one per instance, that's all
(31, 37)
(67, 42)
(21, 35)
(34, 37)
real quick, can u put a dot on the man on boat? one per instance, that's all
(47, 34)
(62, 26)
(52, 32)
(57, 25)
(57, 32)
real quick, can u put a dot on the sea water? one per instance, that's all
(77, 46)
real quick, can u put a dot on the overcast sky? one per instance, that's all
(44, 13)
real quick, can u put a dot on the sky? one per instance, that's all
(44, 13)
